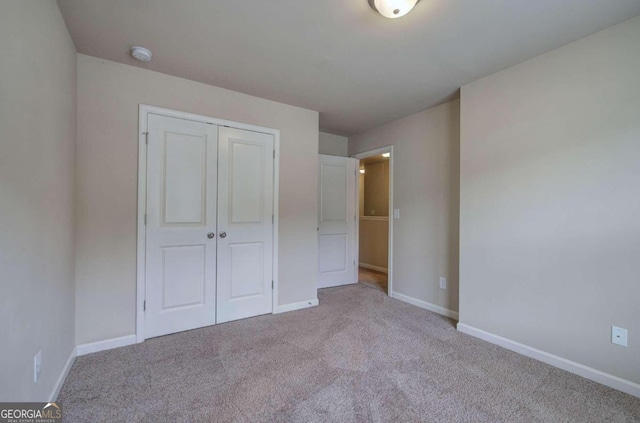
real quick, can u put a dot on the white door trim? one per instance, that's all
(144, 111)
(364, 155)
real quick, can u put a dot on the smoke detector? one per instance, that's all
(141, 53)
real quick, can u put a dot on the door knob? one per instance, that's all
(223, 235)
(210, 235)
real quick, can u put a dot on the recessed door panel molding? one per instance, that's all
(333, 253)
(181, 199)
(183, 276)
(333, 198)
(245, 224)
(247, 270)
(184, 179)
(246, 190)
(336, 221)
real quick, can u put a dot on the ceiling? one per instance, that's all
(339, 57)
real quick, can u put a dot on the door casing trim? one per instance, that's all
(143, 112)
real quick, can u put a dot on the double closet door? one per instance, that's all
(209, 224)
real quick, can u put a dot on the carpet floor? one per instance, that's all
(359, 356)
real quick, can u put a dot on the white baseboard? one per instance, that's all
(296, 306)
(107, 344)
(63, 376)
(372, 267)
(427, 306)
(607, 379)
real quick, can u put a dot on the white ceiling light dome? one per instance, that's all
(393, 8)
(141, 53)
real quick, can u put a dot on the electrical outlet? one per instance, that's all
(37, 366)
(618, 336)
(443, 283)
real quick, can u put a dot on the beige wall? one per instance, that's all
(108, 98)
(361, 193)
(550, 201)
(333, 145)
(37, 144)
(374, 242)
(374, 198)
(376, 189)
(425, 189)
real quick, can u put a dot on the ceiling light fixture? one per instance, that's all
(386, 155)
(141, 53)
(361, 170)
(393, 8)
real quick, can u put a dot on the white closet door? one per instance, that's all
(245, 224)
(181, 225)
(336, 221)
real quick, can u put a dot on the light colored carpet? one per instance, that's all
(358, 357)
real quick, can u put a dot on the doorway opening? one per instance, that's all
(375, 219)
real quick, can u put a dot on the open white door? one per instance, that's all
(245, 224)
(336, 221)
(181, 224)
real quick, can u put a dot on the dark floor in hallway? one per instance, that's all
(373, 279)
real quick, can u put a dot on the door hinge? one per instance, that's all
(144, 305)
(273, 219)
(274, 154)
(146, 137)
(145, 219)
(271, 284)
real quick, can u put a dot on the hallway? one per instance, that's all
(373, 279)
